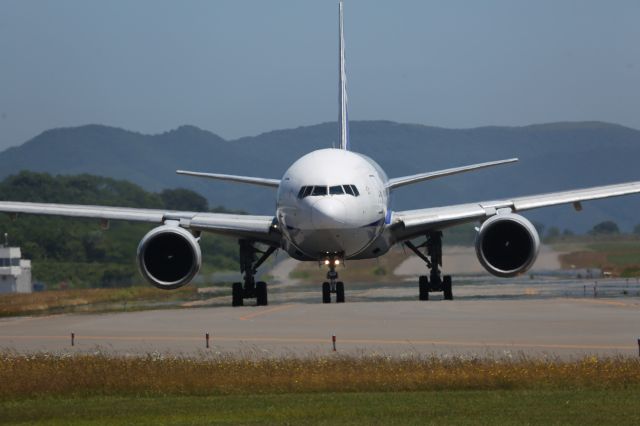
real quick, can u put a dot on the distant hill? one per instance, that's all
(553, 157)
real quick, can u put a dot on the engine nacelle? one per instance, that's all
(169, 257)
(507, 245)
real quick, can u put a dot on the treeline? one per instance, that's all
(78, 252)
(607, 229)
(465, 234)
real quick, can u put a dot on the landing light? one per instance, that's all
(337, 261)
(326, 262)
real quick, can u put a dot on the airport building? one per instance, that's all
(15, 272)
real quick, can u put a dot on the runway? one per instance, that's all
(564, 327)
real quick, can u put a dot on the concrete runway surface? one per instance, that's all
(532, 324)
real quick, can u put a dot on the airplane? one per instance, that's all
(332, 206)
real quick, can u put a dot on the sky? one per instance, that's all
(243, 67)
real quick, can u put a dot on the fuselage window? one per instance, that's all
(319, 190)
(348, 190)
(336, 190)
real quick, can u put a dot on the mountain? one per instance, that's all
(553, 157)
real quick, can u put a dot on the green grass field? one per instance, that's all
(99, 389)
(517, 407)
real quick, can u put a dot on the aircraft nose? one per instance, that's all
(329, 213)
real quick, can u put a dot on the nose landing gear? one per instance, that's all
(332, 285)
(435, 281)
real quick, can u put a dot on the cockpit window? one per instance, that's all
(348, 190)
(305, 191)
(310, 190)
(319, 190)
(336, 190)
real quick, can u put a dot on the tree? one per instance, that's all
(77, 251)
(636, 230)
(605, 228)
(553, 232)
(184, 199)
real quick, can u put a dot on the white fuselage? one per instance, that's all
(332, 203)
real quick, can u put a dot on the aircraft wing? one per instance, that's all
(412, 223)
(261, 228)
(407, 180)
(273, 183)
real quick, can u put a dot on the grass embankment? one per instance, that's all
(94, 300)
(96, 389)
(369, 270)
(619, 255)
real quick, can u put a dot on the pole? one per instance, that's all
(206, 336)
(333, 340)
(73, 339)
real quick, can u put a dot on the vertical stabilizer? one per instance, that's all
(342, 97)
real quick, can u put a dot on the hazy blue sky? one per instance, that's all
(242, 67)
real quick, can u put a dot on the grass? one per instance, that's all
(45, 375)
(100, 389)
(369, 271)
(95, 300)
(436, 407)
(619, 255)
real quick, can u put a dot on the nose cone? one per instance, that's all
(329, 213)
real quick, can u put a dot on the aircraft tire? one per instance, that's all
(423, 287)
(236, 295)
(339, 292)
(447, 288)
(326, 292)
(261, 294)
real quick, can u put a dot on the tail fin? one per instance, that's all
(342, 97)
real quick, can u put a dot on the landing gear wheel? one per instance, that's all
(433, 258)
(446, 287)
(249, 264)
(339, 292)
(261, 293)
(326, 292)
(236, 294)
(423, 287)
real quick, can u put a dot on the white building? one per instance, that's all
(15, 272)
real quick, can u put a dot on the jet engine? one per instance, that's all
(169, 257)
(507, 245)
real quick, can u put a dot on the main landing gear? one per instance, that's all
(333, 285)
(435, 281)
(249, 264)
